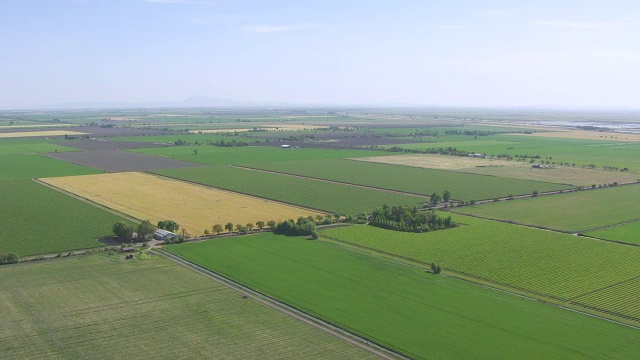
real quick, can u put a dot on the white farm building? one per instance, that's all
(161, 234)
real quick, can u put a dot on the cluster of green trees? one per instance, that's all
(409, 219)
(124, 231)
(437, 198)
(168, 225)
(10, 258)
(232, 143)
(304, 226)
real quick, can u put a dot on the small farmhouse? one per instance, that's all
(285, 146)
(161, 234)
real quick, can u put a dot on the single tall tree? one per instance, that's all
(145, 230)
(446, 196)
(217, 228)
(229, 227)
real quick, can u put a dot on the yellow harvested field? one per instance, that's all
(433, 161)
(155, 198)
(507, 169)
(33, 126)
(590, 135)
(40, 133)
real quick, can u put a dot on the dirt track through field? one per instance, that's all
(332, 181)
(353, 339)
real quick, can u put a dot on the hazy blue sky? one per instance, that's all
(470, 53)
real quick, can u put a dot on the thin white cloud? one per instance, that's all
(177, 1)
(270, 28)
(577, 25)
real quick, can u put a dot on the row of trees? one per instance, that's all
(272, 224)
(304, 226)
(124, 231)
(409, 219)
(437, 198)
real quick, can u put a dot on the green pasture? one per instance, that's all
(628, 233)
(252, 154)
(573, 151)
(29, 147)
(572, 212)
(333, 198)
(462, 186)
(542, 262)
(96, 307)
(36, 220)
(37, 166)
(404, 308)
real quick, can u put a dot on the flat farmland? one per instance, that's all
(410, 179)
(329, 197)
(399, 306)
(214, 155)
(590, 135)
(509, 169)
(95, 307)
(44, 133)
(572, 212)
(155, 198)
(628, 233)
(31, 148)
(40, 220)
(116, 161)
(546, 263)
(579, 151)
(33, 166)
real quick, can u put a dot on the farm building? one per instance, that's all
(161, 234)
(285, 146)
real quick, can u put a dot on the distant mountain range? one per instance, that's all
(191, 102)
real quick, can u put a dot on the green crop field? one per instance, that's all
(410, 179)
(574, 212)
(28, 148)
(36, 166)
(36, 220)
(95, 307)
(620, 299)
(547, 263)
(252, 154)
(628, 233)
(581, 152)
(404, 308)
(333, 198)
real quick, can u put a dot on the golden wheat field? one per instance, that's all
(194, 207)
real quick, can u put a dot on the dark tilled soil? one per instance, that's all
(92, 145)
(120, 161)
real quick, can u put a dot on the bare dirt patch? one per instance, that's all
(508, 169)
(92, 145)
(120, 161)
(194, 207)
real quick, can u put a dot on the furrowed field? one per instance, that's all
(36, 220)
(410, 179)
(155, 198)
(404, 308)
(32, 166)
(628, 233)
(334, 198)
(574, 212)
(546, 263)
(252, 154)
(99, 308)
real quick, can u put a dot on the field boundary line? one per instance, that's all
(332, 181)
(603, 288)
(238, 192)
(489, 284)
(325, 326)
(106, 208)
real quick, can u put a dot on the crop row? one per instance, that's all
(619, 299)
(573, 211)
(462, 186)
(547, 263)
(334, 198)
(200, 317)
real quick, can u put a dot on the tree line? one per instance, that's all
(409, 219)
